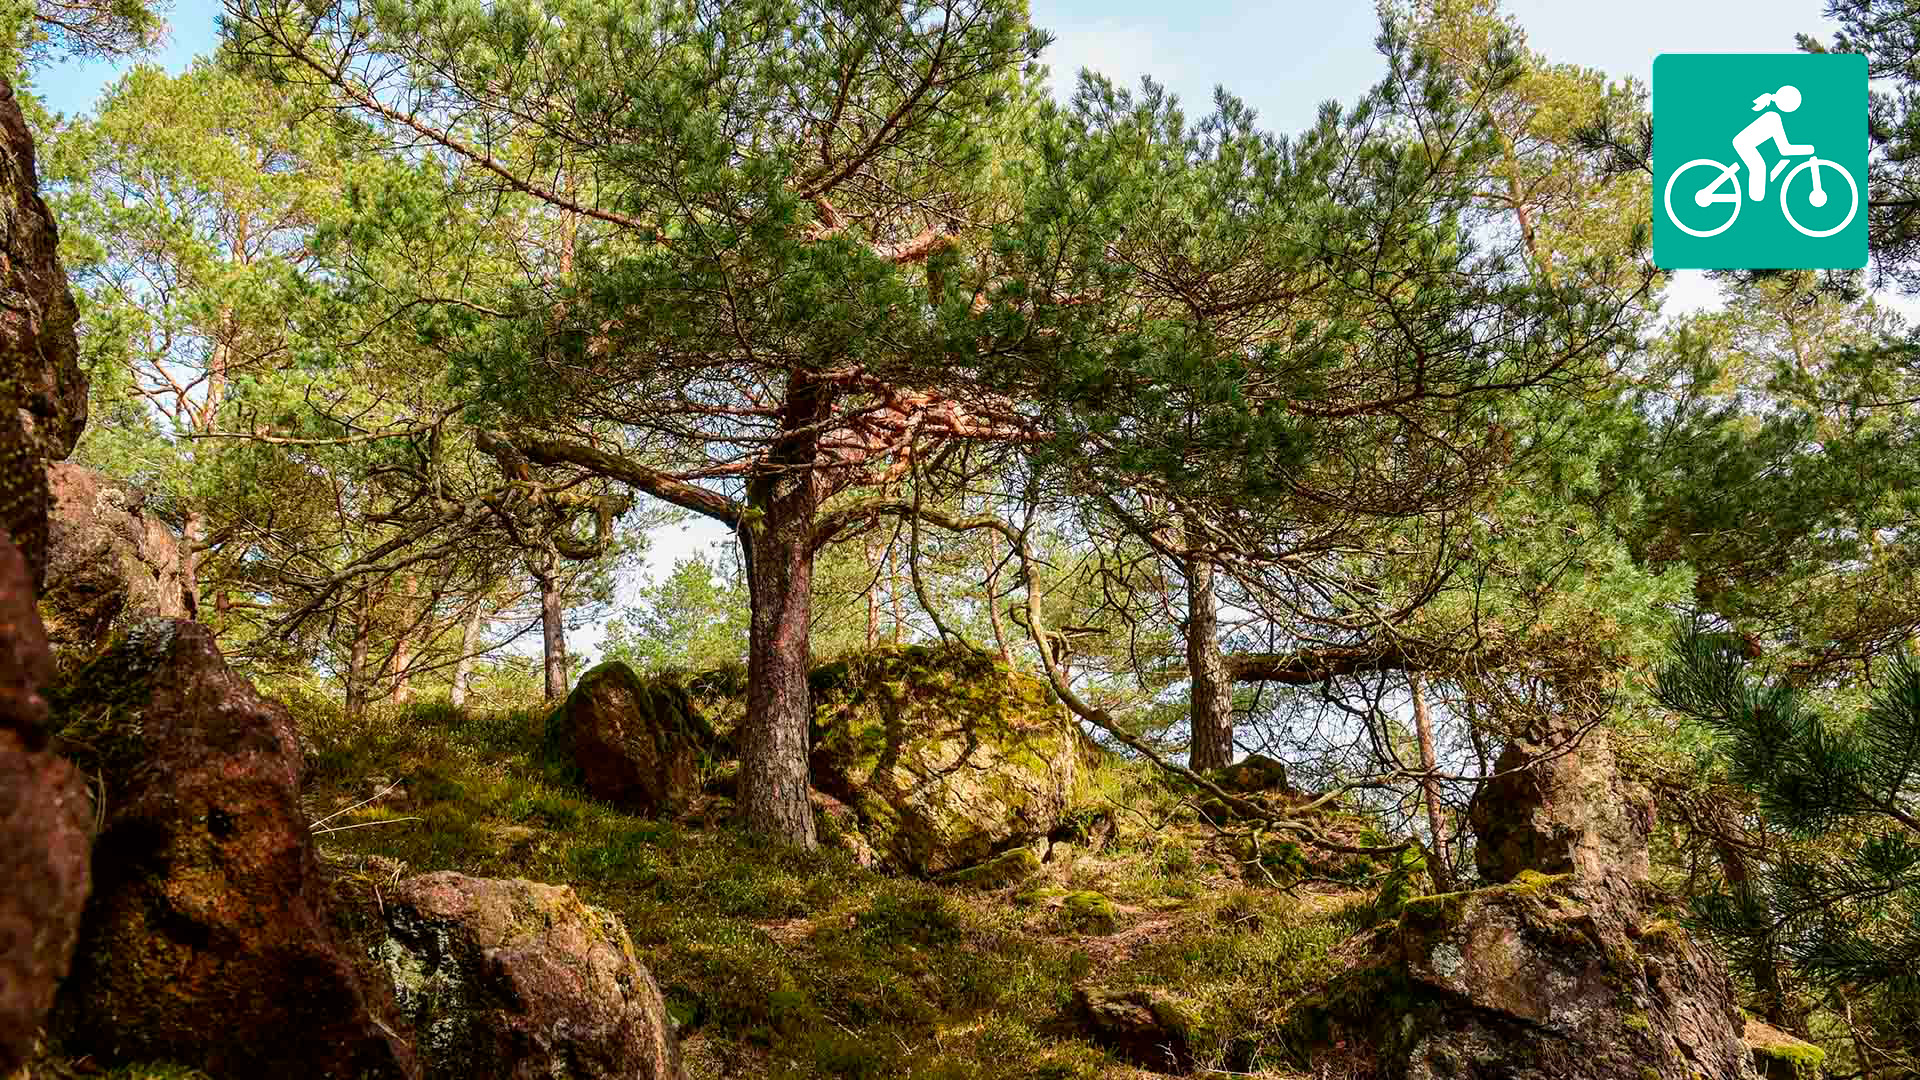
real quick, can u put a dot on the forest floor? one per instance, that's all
(784, 964)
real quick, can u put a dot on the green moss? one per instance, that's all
(1089, 912)
(1637, 1021)
(998, 872)
(1804, 1057)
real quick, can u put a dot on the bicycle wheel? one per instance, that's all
(1814, 163)
(1736, 200)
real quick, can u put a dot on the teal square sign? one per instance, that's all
(1759, 161)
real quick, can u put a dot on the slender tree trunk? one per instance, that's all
(993, 603)
(193, 538)
(1211, 713)
(463, 668)
(873, 598)
(1423, 723)
(893, 590)
(400, 665)
(783, 500)
(552, 634)
(357, 659)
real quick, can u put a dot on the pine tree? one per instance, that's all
(1835, 897)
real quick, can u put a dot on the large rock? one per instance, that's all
(109, 558)
(45, 826)
(1146, 1027)
(43, 394)
(205, 941)
(1557, 970)
(1563, 813)
(43, 405)
(637, 742)
(946, 757)
(513, 980)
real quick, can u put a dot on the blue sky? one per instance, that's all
(1283, 59)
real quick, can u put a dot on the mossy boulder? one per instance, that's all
(1780, 1056)
(1004, 869)
(1521, 981)
(946, 756)
(108, 559)
(637, 742)
(502, 979)
(1089, 912)
(1146, 1027)
(1253, 773)
(207, 940)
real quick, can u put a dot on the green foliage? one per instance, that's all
(1839, 897)
(694, 619)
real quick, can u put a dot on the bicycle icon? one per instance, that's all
(1767, 128)
(1725, 176)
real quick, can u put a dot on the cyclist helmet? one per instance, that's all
(1787, 97)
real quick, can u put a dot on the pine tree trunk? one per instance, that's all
(552, 634)
(1423, 723)
(782, 503)
(463, 668)
(357, 660)
(993, 605)
(873, 599)
(1211, 713)
(193, 538)
(400, 662)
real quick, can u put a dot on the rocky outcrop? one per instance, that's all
(1555, 812)
(946, 757)
(1146, 1027)
(205, 941)
(44, 816)
(45, 826)
(43, 394)
(1253, 773)
(636, 742)
(505, 980)
(109, 559)
(1557, 970)
(1780, 1056)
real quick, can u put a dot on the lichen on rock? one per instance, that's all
(208, 900)
(43, 393)
(1545, 974)
(109, 559)
(636, 742)
(947, 757)
(513, 978)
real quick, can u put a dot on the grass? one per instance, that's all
(786, 964)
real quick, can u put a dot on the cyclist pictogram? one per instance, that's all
(1711, 157)
(1768, 128)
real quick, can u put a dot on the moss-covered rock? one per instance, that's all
(637, 742)
(207, 940)
(108, 560)
(512, 978)
(946, 756)
(1089, 912)
(1253, 773)
(1780, 1056)
(1147, 1027)
(1522, 981)
(1004, 869)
